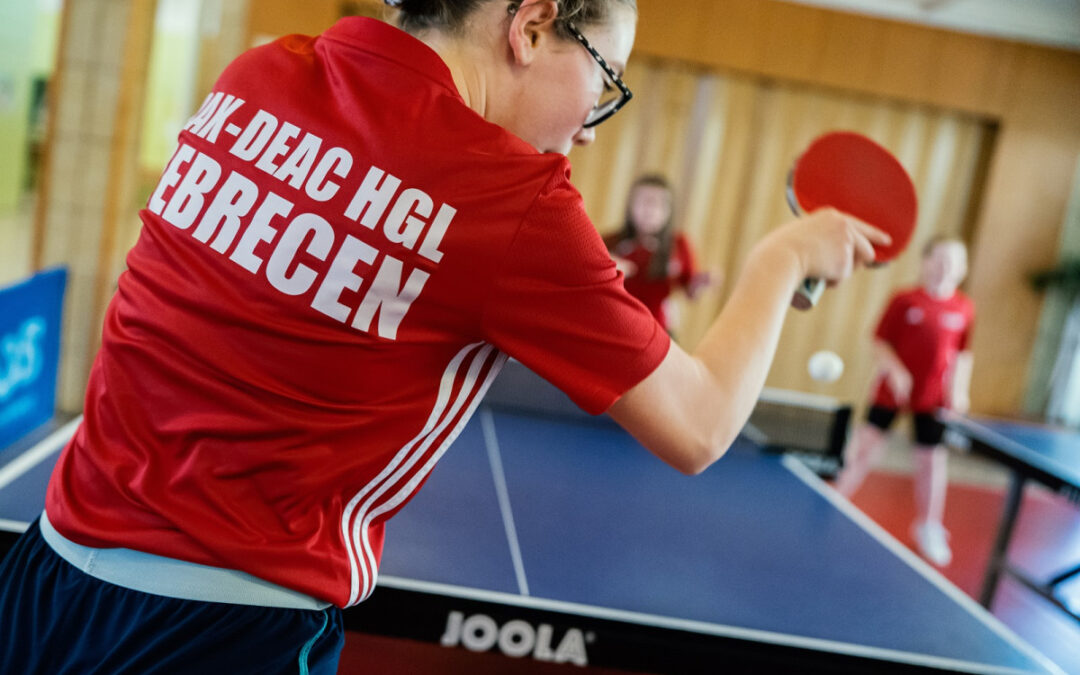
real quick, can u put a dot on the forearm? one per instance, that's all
(961, 377)
(885, 357)
(691, 409)
(739, 346)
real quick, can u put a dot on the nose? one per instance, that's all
(585, 136)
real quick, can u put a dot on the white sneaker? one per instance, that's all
(933, 543)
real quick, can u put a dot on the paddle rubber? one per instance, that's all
(853, 174)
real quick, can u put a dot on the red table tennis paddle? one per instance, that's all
(853, 174)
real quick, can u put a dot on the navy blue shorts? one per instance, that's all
(56, 619)
(928, 430)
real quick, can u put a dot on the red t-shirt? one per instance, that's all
(652, 292)
(335, 264)
(926, 333)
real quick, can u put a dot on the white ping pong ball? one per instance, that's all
(825, 366)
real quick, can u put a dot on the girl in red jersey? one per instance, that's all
(923, 363)
(656, 258)
(355, 233)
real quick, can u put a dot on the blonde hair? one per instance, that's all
(940, 239)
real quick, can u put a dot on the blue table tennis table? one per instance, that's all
(1047, 455)
(554, 536)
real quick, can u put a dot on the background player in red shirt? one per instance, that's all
(923, 363)
(354, 234)
(655, 256)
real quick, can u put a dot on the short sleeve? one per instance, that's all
(558, 305)
(889, 324)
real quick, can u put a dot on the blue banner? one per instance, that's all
(30, 321)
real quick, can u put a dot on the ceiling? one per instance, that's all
(1054, 23)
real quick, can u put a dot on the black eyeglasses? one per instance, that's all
(616, 93)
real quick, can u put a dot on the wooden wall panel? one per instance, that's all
(854, 52)
(792, 42)
(274, 18)
(1019, 232)
(974, 73)
(855, 61)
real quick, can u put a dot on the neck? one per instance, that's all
(473, 57)
(468, 79)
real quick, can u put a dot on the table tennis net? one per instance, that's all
(810, 426)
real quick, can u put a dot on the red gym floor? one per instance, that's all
(1045, 542)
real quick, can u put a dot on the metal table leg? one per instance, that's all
(1001, 543)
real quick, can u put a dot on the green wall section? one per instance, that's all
(16, 77)
(46, 34)
(28, 33)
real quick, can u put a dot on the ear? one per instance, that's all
(529, 26)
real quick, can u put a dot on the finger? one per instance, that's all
(878, 237)
(864, 250)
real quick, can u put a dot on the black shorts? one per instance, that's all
(928, 430)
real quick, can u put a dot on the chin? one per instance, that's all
(557, 149)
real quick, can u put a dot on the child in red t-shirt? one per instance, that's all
(923, 363)
(655, 258)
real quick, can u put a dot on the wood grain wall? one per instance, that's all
(274, 18)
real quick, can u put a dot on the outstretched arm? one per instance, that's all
(691, 408)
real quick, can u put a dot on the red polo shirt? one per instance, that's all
(335, 264)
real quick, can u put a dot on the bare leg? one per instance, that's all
(862, 454)
(931, 481)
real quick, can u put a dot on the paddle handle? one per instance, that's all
(809, 291)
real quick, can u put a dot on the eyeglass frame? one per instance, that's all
(624, 91)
